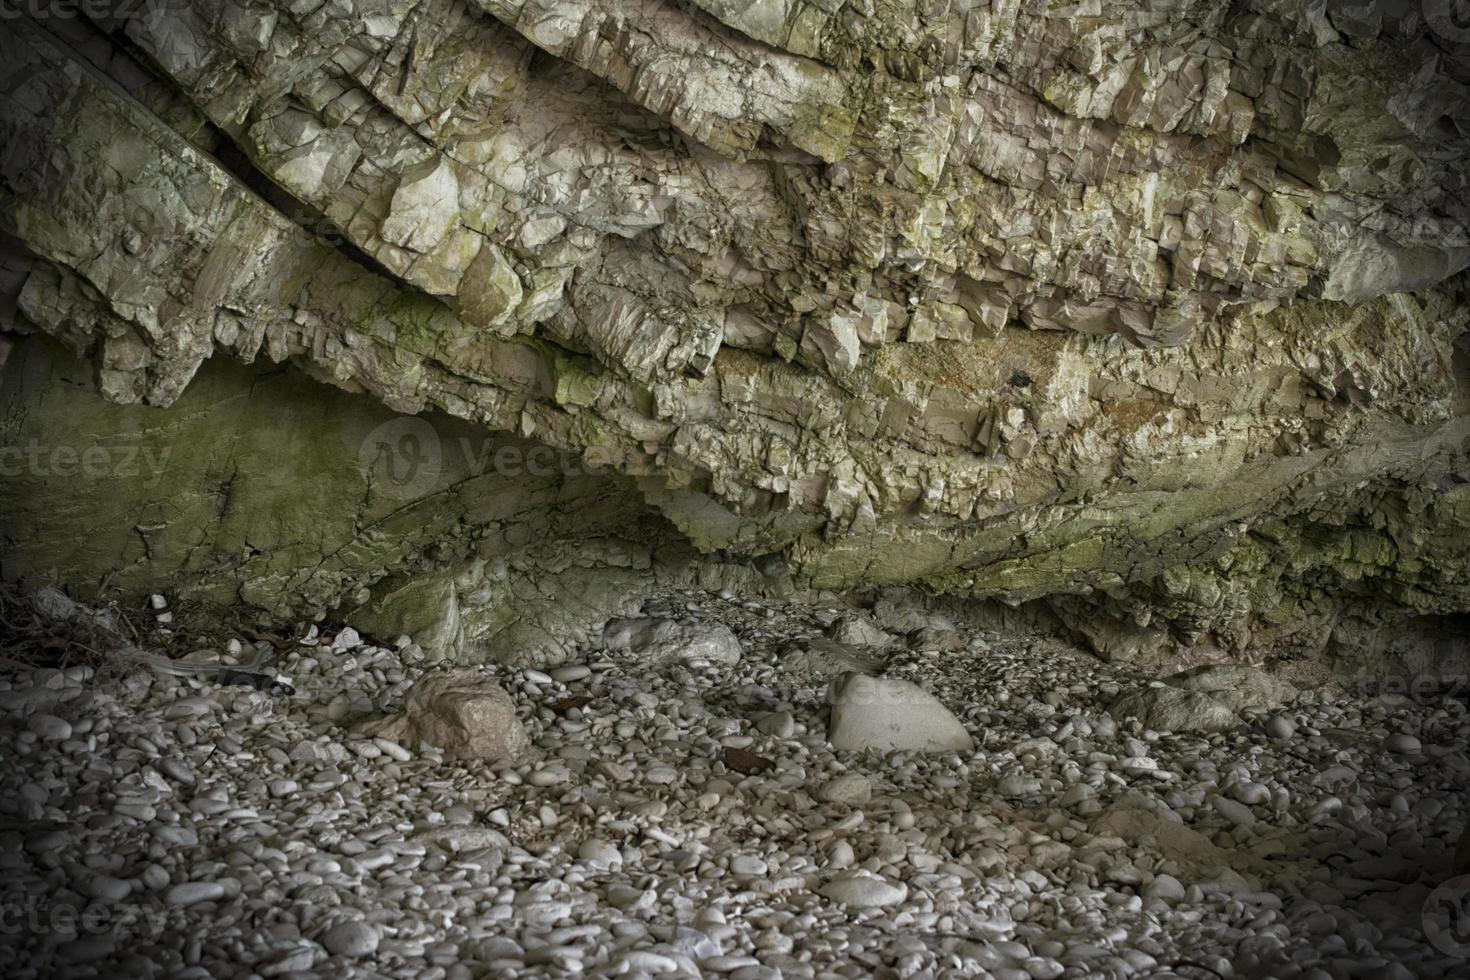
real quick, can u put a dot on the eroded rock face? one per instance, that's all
(1155, 313)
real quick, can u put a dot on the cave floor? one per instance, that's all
(688, 817)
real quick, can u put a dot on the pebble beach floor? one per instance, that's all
(690, 818)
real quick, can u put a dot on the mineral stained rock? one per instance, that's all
(1152, 313)
(462, 712)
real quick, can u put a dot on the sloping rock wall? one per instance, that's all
(262, 489)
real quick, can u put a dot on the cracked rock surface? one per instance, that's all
(1152, 313)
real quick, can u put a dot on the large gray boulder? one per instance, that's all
(1169, 709)
(822, 658)
(1235, 685)
(860, 631)
(464, 713)
(669, 640)
(884, 714)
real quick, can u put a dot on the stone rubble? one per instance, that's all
(260, 836)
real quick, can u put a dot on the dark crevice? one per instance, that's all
(16, 262)
(316, 224)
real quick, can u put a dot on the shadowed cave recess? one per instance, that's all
(735, 488)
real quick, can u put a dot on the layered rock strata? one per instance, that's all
(1150, 312)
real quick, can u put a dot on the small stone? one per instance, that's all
(1402, 743)
(646, 961)
(351, 939)
(392, 749)
(1016, 786)
(747, 866)
(850, 790)
(1251, 794)
(779, 724)
(1165, 888)
(862, 890)
(1076, 794)
(660, 774)
(193, 892)
(1237, 813)
(106, 889)
(49, 727)
(599, 852)
(1280, 726)
(186, 708)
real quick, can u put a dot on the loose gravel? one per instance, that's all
(679, 816)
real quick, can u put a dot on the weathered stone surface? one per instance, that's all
(1170, 709)
(864, 890)
(262, 486)
(859, 631)
(666, 640)
(1157, 316)
(884, 714)
(462, 712)
(1236, 686)
(823, 658)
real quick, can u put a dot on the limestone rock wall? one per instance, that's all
(1009, 299)
(262, 489)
